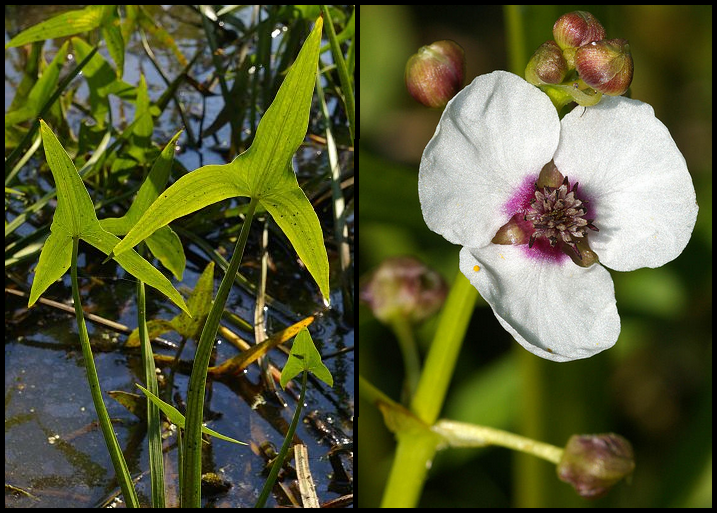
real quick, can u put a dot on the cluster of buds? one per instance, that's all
(580, 61)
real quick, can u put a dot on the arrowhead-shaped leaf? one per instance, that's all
(199, 303)
(263, 172)
(75, 218)
(305, 357)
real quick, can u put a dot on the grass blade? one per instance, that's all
(344, 77)
(176, 418)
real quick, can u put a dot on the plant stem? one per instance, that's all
(403, 330)
(441, 360)
(416, 449)
(192, 475)
(462, 434)
(279, 461)
(120, 465)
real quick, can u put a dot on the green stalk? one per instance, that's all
(416, 448)
(192, 465)
(154, 430)
(121, 470)
(441, 361)
(279, 461)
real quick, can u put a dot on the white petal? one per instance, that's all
(493, 134)
(630, 167)
(556, 310)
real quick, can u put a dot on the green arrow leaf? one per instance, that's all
(263, 172)
(305, 357)
(75, 218)
(177, 418)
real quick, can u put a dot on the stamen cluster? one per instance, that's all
(557, 214)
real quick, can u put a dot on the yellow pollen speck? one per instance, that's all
(476, 268)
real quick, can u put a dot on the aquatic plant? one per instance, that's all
(263, 174)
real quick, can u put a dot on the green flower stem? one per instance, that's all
(403, 330)
(414, 454)
(446, 345)
(417, 445)
(192, 474)
(279, 461)
(120, 466)
(460, 434)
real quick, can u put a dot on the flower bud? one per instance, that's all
(403, 286)
(435, 74)
(606, 65)
(594, 463)
(547, 65)
(576, 29)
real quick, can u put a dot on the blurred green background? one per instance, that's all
(654, 387)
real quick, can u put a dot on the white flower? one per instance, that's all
(634, 207)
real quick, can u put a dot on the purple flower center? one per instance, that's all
(557, 215)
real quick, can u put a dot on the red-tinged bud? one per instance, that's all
(547, 65)
(405, 287)
(606, 66)
(575, 29)
(593, 464)
(435, 74)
